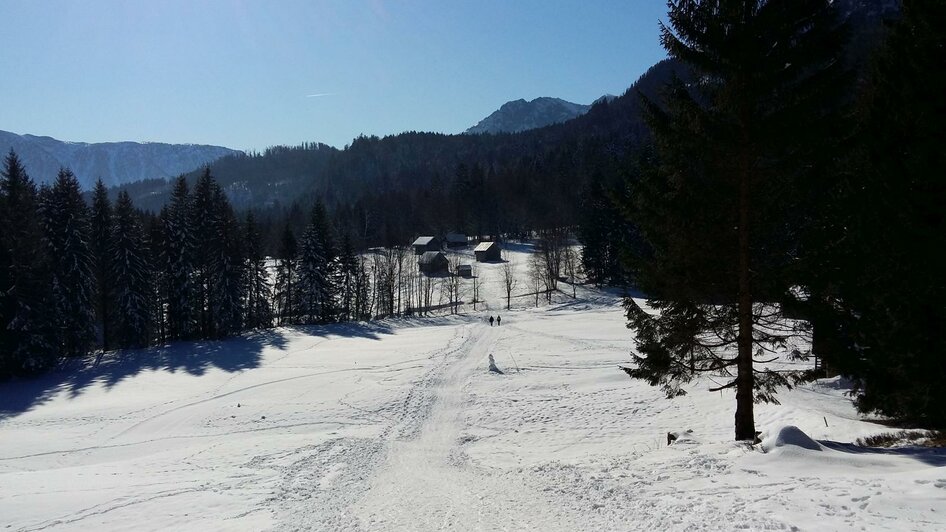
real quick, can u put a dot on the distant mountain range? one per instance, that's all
(520, 115)
(115, 163)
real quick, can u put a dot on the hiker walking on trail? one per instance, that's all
(490, 321)
(499, 320)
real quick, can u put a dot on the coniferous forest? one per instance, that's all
(786, 161)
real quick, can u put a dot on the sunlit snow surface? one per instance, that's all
(399, 425)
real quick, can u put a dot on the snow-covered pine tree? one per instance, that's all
(66, 235)
(26, 332)
(259, 310)
(101, 221)
(130, 277)
(179, 264)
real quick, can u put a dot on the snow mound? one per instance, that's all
(790, 436)
(834, 383)
(681, 437)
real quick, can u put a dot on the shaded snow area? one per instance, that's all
(401, 425)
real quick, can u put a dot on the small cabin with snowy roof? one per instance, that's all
(487, 252)
(424, 244)
(432, 262)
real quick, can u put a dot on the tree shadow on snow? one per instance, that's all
(234, 354)
(933, 456)
(360, 329)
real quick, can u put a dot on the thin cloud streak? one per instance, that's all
(320, 94)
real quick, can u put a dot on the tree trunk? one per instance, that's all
(745, 419)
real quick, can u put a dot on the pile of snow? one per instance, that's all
(790, 436)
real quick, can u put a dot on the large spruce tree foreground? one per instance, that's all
(882, 271)
(740, 148)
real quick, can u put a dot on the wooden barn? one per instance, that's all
(423, 244)
(456, 240)
(487, 252)
(465, 270)
(432, 262)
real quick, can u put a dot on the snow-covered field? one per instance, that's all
(398, 425)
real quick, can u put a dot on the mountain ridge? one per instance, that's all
(116, 163)
(522, 115)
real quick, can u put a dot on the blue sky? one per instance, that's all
(251, 74)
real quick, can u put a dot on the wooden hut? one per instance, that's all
(487, 252)
(465, 270)
(432, 262)
(423, 244)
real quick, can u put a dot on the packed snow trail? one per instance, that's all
(429, 483)
(416, 475)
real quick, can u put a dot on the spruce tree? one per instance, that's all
(178, 255)
(327, 241)
(155, 248)
(66, 233)
(7, 303)
(286, 266)
(313, 274)
(879, 268)
(362, 291)
(738, 154)
(348, 274)
(101, 221)
(593, 230)
(227, 268)
(27, 334)
(130, 277)
(259, 311)
(204, 223)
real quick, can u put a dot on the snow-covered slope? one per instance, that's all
(114, 162)
(520, 115)
(399, 425)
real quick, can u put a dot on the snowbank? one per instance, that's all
(790, 436)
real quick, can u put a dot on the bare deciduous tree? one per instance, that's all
(551, 246)
(452, 284)
(537, 275)
(509, 279)
(571, 261)
(476, 285)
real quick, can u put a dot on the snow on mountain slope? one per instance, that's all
(114, 162)
(398, 425)
(520, 115)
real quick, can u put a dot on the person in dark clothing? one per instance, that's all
(499, 320)
(490, 321)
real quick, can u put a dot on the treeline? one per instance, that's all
(78, 277)
(781, 185)
(81, 276)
